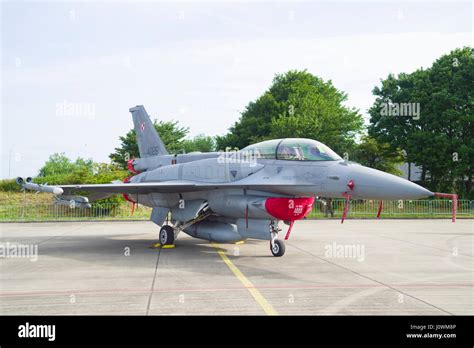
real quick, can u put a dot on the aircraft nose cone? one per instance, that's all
(373, 184)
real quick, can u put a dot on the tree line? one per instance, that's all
(423, 118)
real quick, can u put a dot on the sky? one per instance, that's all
(71, 70)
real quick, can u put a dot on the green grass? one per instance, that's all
(25, 197)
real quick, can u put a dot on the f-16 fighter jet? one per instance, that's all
(227, 197)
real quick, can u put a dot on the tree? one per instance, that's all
(371, 153)
(298, 104)
(201, 142)
(451, 116)
(60, 164)
(59, 169)
(170, 132)
(440, 139)
(396, 131)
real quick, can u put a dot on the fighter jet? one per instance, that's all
(230, 196)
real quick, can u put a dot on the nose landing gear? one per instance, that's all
(277, 247)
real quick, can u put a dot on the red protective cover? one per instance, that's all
(124, 194)
(130, 166)
(289, 209)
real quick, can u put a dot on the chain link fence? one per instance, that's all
(123, 211)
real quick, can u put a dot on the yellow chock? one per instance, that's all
(166, 246)
(240, 242)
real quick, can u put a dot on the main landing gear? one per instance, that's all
(170, 231)
(277, 247)
(167, 235)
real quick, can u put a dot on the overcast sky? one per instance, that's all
(196, 62)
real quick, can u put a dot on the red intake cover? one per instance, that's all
(289, 209)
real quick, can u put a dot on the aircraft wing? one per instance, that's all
(165, 187)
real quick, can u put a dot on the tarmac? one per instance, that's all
(361, 267)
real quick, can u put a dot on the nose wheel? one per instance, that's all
(166, 235)
(277, 247)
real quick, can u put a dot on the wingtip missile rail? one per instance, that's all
(29, 185)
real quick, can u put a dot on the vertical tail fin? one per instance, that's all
(149, 142)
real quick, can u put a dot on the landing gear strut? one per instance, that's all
(277, 247)
(166, 235)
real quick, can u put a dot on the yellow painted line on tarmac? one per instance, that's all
(266, 306)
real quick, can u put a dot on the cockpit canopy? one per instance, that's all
(291, 149)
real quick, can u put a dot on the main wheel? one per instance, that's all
(166, 235)
(278, 248)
